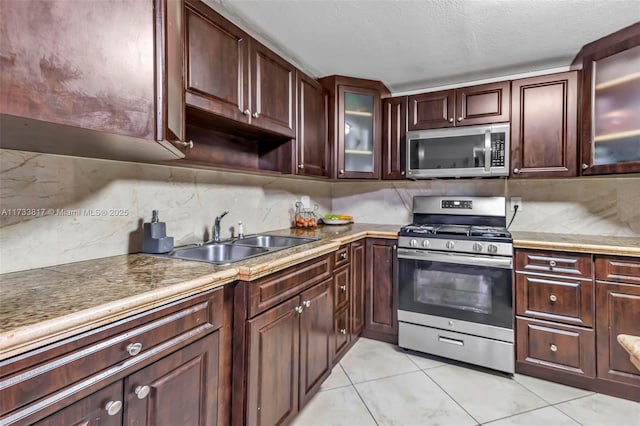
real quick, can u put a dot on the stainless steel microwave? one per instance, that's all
(458, 152)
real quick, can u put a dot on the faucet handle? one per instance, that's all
(222, 215)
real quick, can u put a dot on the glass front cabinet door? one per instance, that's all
(358, 134)
(611, 133)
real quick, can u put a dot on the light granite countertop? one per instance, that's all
(44, 305)
(596, 244)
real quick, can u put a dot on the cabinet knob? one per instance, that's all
(134, 348)
(341, 171)
(255, 115)
(553, 298)
(585, 166)
(402, 173)
(306, 303)
(142, 391)
(343, 330)
(343, 287)
(298, 309)
(552, 263)
(301, 166)
(450, 120)
(553, 348)
(246, 111)
(516, 171)
(184, 144)
(459, 119)
(113, 407)
(343, 255)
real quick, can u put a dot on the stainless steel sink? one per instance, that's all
(273, 241)
(218, 253)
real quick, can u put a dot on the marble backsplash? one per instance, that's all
(589, 206)
(67, 190)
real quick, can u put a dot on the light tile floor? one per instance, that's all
(380, 384)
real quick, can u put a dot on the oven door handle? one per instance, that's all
(494, 262)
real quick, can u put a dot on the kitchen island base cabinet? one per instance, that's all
(381, 312)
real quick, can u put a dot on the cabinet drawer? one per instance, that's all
(341, 257)
(341, 284)
(274, 289)
(563, 300)
(554, 262)
(119, 347)
(555, 346)
(341, 332)
(618, 269)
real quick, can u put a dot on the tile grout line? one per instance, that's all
(359, 396)
(574, 399)
(452, 398)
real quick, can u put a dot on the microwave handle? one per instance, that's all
(487, 150)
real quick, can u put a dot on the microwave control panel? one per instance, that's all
(497, 152)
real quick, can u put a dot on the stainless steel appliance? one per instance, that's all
(458, 152)
(455, 281)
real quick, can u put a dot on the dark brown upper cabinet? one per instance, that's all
(312, 145)
(234, 77)
(466, 106)
(394, 132)
(355, 126)
(610, 106)
(544, 126)
(117, 94)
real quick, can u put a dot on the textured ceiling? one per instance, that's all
(419, 44)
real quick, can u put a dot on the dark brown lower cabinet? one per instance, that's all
(381, 312)
(358, 280)
(289, 355)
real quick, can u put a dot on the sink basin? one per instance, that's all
(274, 241)
(218, 253)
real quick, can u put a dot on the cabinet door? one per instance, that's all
(273, 361)
(217, 77)
(483, 104)
(544, 126)
(394, 131)
(381, 316)
(98, 409)
(180, 389)
(272, 91)
(432, 110)
(358, 272)
(610, 104)
(617, 312)
(56, 75)
(316, 332)
(358, 138)
(173, 67)
(341, 286)
(341, 336)
(312, 142)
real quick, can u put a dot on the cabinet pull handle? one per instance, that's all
(516, 171)
(343, 255)
(134, 348)
(298, 309)
(450, 120)
(301, 166)
(306, 303)
(113, 407)
(246, 111)
(585, 166)
(343, 287)
(552, 263)
(184, 144)
(459, 119)
(343, 330)
(142, 391)
(553, 348)
(553, 298)
(255, 115)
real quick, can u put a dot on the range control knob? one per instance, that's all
(477, 247)
(413, 243)
(425, 243)
(450, 245)
(493, 249)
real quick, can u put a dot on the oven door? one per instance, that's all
(470, 288)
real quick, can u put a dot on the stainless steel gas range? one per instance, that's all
(455, 281)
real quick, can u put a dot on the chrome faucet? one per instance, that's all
(216, 227)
